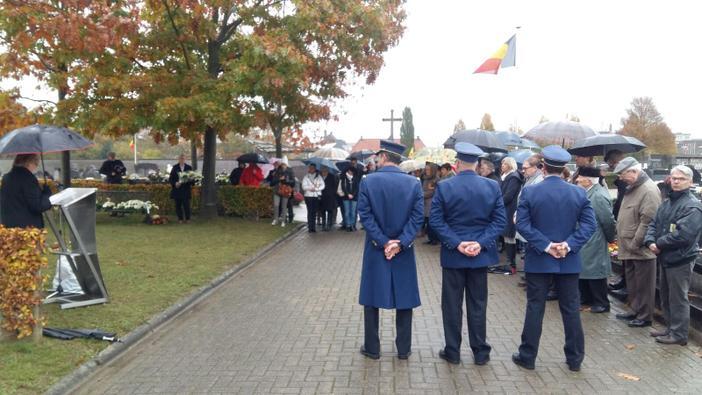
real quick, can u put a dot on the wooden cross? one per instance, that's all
(392, 120)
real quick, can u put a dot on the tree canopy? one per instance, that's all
(486, 123)
(407, 129)
(644, 122)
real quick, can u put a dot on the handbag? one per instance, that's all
(284, 190)
(298, 197)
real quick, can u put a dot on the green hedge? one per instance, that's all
(241, 201)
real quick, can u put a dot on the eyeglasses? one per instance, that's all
(679, 179)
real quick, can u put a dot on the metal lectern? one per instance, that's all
(73, 224)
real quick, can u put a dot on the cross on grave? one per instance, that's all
(392, 120)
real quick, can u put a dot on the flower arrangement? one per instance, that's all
(190, 176)
(155, 219)
(613, 249)
(158, 177)
(135, 206)
(222, 179)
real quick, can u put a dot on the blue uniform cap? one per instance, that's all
(390, 146)
(468, 152)
(555, 156)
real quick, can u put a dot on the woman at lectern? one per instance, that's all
(22, 200)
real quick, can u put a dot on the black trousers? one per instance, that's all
(312, 204)
(403, 327)
(431, 234)
(594, 292)
(472, 282)
(568, 303)
(182, 207)
(328, 217)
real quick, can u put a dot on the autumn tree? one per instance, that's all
(13, 115)
(51, 40)
(486, 123)
(644, 122)
(212, 67)
(460, 125)
(407, 129)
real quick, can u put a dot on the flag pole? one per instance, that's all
(135, 149)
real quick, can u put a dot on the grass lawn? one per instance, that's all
(146, 269)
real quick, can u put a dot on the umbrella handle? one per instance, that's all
(43, 170)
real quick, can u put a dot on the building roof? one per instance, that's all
(374, 144)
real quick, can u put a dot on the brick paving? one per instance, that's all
(292, 324)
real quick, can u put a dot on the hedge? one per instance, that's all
(242, 201)
(22, 256)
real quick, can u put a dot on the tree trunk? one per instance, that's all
(65, 155)
(208, 202)
(193, 153)
(278, 134)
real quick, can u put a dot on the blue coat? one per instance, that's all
(390, 205)
(554, 211)
(468, 207)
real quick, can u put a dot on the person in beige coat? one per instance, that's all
(639, 205)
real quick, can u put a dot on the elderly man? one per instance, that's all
(673, 236)
(468, 214)
(487, 170)
(391, 208)
(556, 219)
(639, 205)
(597, 264)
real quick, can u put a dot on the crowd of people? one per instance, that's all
(561, 223)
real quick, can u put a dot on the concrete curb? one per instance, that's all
(87, 369)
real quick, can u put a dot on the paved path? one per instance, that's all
(292, 324)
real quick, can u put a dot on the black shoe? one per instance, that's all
(639, 323)
(404, 356)
(443, 356)
(481, 362)
(599, 309)
(369, 355)
(552, 296)
(517, 359)
(625, 316)
(574, 368)
(618, 285)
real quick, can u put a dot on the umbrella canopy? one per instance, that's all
(319, 162)
(602, 143)
(41, 139)
(559, 132)
(344, 165)
(520, 155)
(329, 152)
(436, 155)
(486, 140)
(525, 143)
(362, 155)
(411, 165)
(252, 157)
(509, 138)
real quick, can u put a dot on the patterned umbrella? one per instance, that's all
(436, 155)
(563, 133)
(411, 165)
(329, 152)
(486, 140)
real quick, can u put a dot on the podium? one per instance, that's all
(73, 223)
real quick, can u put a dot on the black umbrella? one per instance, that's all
(344, 165)
(602, 143)
(70, 334)
(42, 139)
(362, 155)
(486, 140)
(509, 138)
(252, 157)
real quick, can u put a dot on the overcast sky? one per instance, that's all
(586, 58)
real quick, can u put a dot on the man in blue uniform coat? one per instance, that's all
(468, 214)
(556, 219)
(391, 208)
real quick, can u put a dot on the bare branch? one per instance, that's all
(175, 29)
(37, 100)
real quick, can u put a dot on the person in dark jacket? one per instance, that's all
(22, 201)
(113, 168)
(511, 185)
(328, 203)
(348, 185)
(487, 170)
(282, 181)
(181, 191)
(235, 176)
(673, 236)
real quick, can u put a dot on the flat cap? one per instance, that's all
(468, 152)
(625, 164)
(555, 156)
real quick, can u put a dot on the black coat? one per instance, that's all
(621, 190)
(676, 229)
(235, 176)
(22, 201)
(510, 187)
(184, 191)
(114, 170)
(350, 188)
(331, 184)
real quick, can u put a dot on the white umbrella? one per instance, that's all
(411, 165)
(330, 153)
(436, 155)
